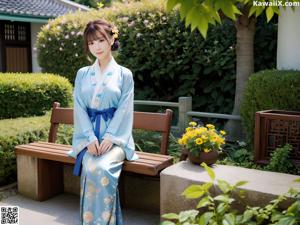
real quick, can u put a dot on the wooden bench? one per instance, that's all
(49, 157)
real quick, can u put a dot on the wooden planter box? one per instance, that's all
(275, 128)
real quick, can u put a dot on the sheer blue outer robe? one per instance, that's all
(96, 89)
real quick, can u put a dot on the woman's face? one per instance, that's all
(100, 47)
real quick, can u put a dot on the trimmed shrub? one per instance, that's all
(60, 42)
(14, 132)
(31, 94)
(270, 89)
(160, 51)
(23, 131)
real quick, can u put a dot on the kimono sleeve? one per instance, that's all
(83, 133)
(119, 130)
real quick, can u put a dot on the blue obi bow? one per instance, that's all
(95, 115)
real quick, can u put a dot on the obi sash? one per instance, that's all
(95, 116)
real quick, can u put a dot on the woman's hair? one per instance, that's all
(106, 29)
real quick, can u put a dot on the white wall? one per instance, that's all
(35, 28)
(288, 49)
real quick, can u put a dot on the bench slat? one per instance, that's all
(144, 155)
(147, 164)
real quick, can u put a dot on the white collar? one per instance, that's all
(111, 67)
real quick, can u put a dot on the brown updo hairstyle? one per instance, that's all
(104, 28)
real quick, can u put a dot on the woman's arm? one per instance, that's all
(83, 129)
(120, 127)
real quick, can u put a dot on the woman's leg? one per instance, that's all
(99, 197)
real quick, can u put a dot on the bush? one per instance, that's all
(23, 131)
(280, 160)
(219, 209)
(270, 89)
(31, 94)
(160, 51)
(61, 39)
(14, 132)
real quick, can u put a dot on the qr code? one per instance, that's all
(9, 215)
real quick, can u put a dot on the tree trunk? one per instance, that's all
(245, 28)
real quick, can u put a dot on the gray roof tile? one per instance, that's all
(39, 8)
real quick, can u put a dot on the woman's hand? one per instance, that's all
(93, 148)
(105, 146)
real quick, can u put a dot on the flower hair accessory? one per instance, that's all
(115, 32)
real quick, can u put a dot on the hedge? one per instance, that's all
(161, 52)
(60, 42)
(31, 94)
(14, 132)
(22, 131)
(269, 89)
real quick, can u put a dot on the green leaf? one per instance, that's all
(222, 207)
(224, 186)
(252, 10)
(294, 208)
(167, 223)
(240, 183)
(228, 8)
(192, 17)
(248, 214)
(189, 214)
(171, 4)
(170, 216)
(223, 198)
(229, 219)
(202, 26)
(209, 171)
(297, 180)
(193, 191)
(204, 202)
(287, 220)
(205, 218)
(185, 8)
(269, 13)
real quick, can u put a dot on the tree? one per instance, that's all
(198, 14)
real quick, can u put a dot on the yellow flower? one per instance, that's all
(204, 137)
(193, 124)
(222, 132)
(184, 140)
(206, 150)
(115, 32)
(180, 141)
(210, 126)
(188, 129)
(199, 141)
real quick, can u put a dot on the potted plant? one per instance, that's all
(202, 143)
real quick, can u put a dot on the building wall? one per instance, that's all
(35, 28)
(288, 50)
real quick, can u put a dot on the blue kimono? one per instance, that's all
(109, 93)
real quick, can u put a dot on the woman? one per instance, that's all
(103, 118)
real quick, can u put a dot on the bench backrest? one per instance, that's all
(160, 122)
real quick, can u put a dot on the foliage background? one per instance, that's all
(161, 52)
(32, 94)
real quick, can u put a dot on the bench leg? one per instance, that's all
(50, 179)
(27, 176)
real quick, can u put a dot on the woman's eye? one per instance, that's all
(90, 43)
